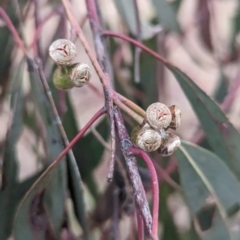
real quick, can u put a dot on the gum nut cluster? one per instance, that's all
(153, 135)
(68, 74)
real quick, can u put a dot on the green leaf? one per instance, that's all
(222, 88)
(127, 12)
(8, 202)
(148, 75)
(75, 187)
(169, 229)
(208, 183)
(88, 150)
(166, 15)
(220, 133)
(41, 212)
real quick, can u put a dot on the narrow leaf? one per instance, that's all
(208, 184)
(8, 202)
(52, 185)
(220, 133)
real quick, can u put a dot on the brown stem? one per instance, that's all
(131, 163)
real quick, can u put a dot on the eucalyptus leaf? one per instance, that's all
(8, 202)
(44, 203)
(208, 184)
(220, 133)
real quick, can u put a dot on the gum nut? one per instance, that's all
(80, 74)
(62, 51)
(148, 139)
(61, 79)
(176, 117)
(169, 145)
(158, 115)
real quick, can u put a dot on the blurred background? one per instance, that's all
(201, 37)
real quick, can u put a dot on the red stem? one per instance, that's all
(77, 137)
(155, 188)
(136, 43)
(12, 29)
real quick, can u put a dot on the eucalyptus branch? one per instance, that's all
(102, 76)
(140, 196)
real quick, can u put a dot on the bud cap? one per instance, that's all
(158, 115)
(62, 51)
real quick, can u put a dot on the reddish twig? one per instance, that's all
(137, 44)
(155, 188)
(73, 142)
(13, 30)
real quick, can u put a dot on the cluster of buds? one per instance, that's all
(153, 134)
(68, 74)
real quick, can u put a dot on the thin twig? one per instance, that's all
(155, 188)
(13, 30)
(129, 111)
(65, 151)
(108, 147)
(137, 44)
(102, 76)
(131, 105)
(95, 24)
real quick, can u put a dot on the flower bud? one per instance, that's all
(61, 79)
(62, 51)
(176, 117)
(169, 145)
(158, 115)
(148, 139)
(80, 74)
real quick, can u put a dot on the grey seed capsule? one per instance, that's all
(62, 51)
(148, 139)
(176, 117)
(169, 145)
(80, 74)
(158, 115)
